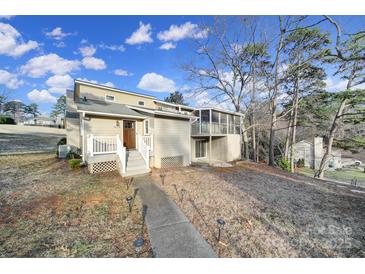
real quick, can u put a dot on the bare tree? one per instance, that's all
(351, 67)
(224, 67)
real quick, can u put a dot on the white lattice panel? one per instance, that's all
(173, 161)
(103, 167)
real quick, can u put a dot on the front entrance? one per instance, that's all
(129, 134)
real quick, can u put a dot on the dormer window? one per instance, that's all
(109, 98)
(141, 103)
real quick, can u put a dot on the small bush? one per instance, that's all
(74, 163)
(284, 164)
(74, 154)
(6, 120)
(300, 163)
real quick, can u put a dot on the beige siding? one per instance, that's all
(100, 126)
(172, 138)
(233, 147)
(72, 124)
(227, 148)
(120, 98)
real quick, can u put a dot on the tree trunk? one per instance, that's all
(287, 139)
(272, 138)
(294, 131)
(246, 155)
(258, 146)
(274, 99)
(331, 137)
(254, 142)
(253, 111)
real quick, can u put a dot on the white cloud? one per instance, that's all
(141, 35)
(59, 44)
(58, 34)
(9, 80)
(122, 72)
(176, 33)
(204, 99)
(120, 48)
(339, 85)
(59, 83)
(108, 84)
(11, 42)
(93, 63)
(41, 96)
(87, 51)
(50, 63)
(167, 46)
(156, 82)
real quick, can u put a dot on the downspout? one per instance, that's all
(83, 135)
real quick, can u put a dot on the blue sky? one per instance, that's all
(41, 55)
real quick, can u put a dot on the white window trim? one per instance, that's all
(144, 127)
(106, 95)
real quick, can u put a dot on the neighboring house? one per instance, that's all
(313, 154)
(132, 132)
(40, 121)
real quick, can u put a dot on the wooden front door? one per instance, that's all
(129, 134)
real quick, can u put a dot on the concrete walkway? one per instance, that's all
(171, 233)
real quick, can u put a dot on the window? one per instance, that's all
(146, 127)
(128, 124)
(109, 98)
(141, 103)
(200, 148)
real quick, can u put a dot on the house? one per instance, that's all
(40, 121)
(312, 153)
(132, 132)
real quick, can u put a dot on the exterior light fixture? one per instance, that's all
(183, 192)
(130, 202)
(144, 213)
(221, 224)
(162, 176)
(129, 182)
(138, 245)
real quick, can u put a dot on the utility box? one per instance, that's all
(63, 150)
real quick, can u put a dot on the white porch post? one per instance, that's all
(227, 115)
(83, 135)
(200, 121)
(210, 135)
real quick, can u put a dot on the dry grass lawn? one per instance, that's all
(48, 210)
(270, 213)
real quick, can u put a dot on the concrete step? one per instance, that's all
(128, 168)
(139, 162)
(134, 156)
(136, 172)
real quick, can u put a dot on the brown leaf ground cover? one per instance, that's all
(269, 212)
(48, 210)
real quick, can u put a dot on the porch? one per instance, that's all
(106, 153)
(217, 123)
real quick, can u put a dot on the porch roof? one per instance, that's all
(105, 108)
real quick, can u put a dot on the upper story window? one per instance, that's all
(109, 98)
(141, 103)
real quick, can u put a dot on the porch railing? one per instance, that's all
(101, 144)
(214, 128)
(98, 145)
(144, 150)
(148, 140)
(122, 154)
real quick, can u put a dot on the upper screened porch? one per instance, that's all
(216, 122)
